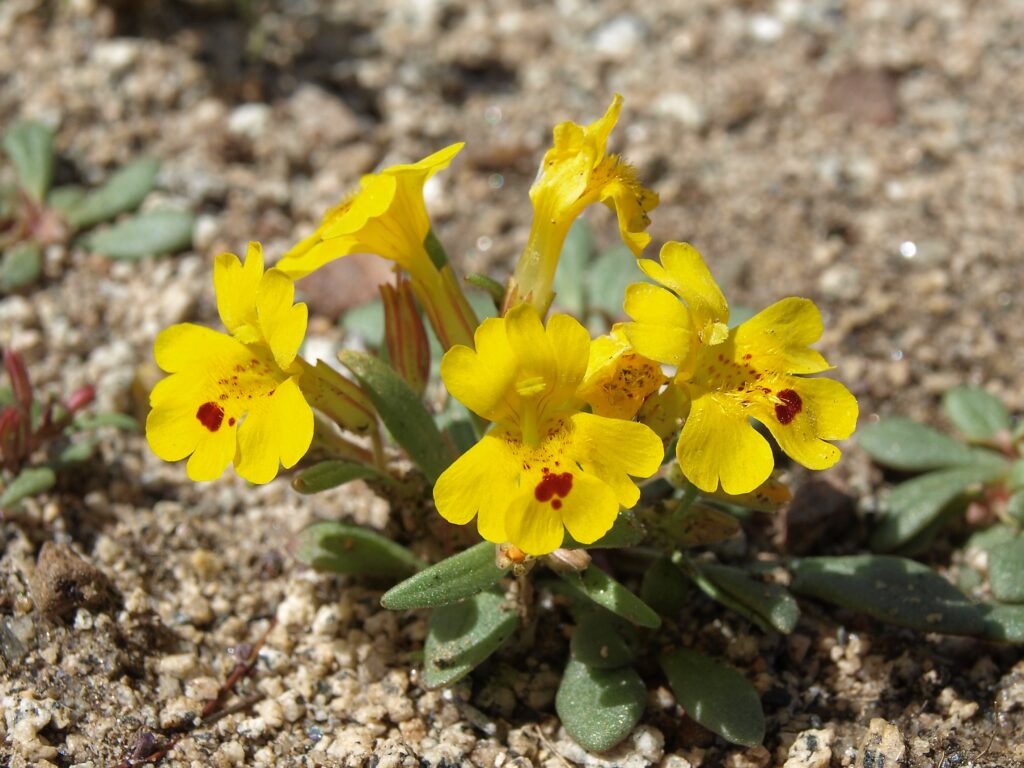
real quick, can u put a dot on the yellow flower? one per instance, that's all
(544, 466)
(387, 216)
(577, 172)
(618, 380)
(235, 398)
(751, 371)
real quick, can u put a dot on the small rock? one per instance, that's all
(251, 120)
(619, 37)
(64, 582)
(882, 746)
(645, 746)
(812, 749)
(682, 108)
(864, 95)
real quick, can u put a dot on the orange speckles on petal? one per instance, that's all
(210, 415)
(790, 406)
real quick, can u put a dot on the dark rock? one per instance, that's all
(64, 582)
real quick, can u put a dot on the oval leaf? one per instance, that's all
(21, 266)
(453, 579)
(462, 635)
(977, 414)
(28, 483)
(768, 605)
(1006, 571)
(908, 445)
(352, 549)
(146, 234)
(665, 588)
(122, 192)
(331, 474)
(599, 707)
(29, 145)
(892, 589)
(1004, 622)
(599, 643)
(402, 412)
(608, 593)
(716, 696)
(917, 503)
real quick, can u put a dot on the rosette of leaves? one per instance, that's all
(33, 214)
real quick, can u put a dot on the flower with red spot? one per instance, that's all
(235, 398)
(544, 467)
(751, 371)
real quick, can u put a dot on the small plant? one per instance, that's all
(607, 474)
(41, 438)
(33, 216)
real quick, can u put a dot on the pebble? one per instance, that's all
(812, 749)
(881, 747)
(250, 120)
(619, 37)
(644, 747)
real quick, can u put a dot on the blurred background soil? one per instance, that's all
(866, 154)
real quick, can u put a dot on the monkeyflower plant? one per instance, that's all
(549, 448)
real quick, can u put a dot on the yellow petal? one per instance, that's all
(718, 444)
(589, 511)
(277, 431)
(618, 379)
(779, 336)
(312, 253)
(481, 481)
(186, 345)
(376, 193)
(683, 271)
(172, 429)
(534, 527)
(283, 324)
(236, 286)
(212, 455)
(661, 327)
(482, 378)
(530, 345)
(613, 450)
(571, 341)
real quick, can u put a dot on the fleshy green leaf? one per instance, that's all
(29, 482)
(599, 707)
(65, 197)
(402, 412)
(716, 696)
(1015, 506)
(1015, 480)
(448, 581)
(570, 277)
(908, 445)
(991, 537)
(493, 288)
(917, 503)
(1006, 571)
(331, 474)
(351, 549)
(99, 420)
(124, 191)
(975, 413)
(1003, 622)
(21, 266)
(462, 635)
(608, 593)
(599, 643)
(29, 145)
(665, 588)
(77, 452)
(608, 277)
(625, 532)
(770, 606)
(146, 234)
(892, 589)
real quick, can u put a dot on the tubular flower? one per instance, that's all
(618, 380)
(235, 398)
(577, 172)
(751, 371)
(387, 216)
(544, 466)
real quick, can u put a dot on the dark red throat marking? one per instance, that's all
(790, 406)
(552, 485)
(210, 415)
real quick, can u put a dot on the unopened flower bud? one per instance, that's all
(18, 373)
(406, 338)
(80, 398)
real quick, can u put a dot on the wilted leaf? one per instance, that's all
(29, 145)
(448, 581)
(767, 605)
(570, 277)
(29, 482)
(608, 593)
(716, 696)
(146, 234)
(908, 445)
(331, 474)
(124, 191)
(352, 549)
(21, 266)
(599, 707)
(1006, 571)
(462, 635)
(767, 497)
(699, 525)
(976, 413)
(892, 589)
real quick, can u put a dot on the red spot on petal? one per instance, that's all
(552, 485)
(556, 503)
(210, 415)
(231, 421)
(747, 356)
(790, 406)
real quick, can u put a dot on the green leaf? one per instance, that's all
(29, 482)
(64, 198)
(1015, 506)
(21, 266)
(767, 605)
(146, 234)
(917, 503)
(892, 589)
(402, 412)
(599, 707)
(493, 288)
(1003, 622)
(99, 420)
(453, 579)
(991, 537)
(570, 277)
(716, 696)
(351, 549)
(124, 191)
(29, 145)
(77, 452)
(908, 445)
(599, 643)
(1006, 571)
(665, 588)
(625, 532)
(1015, 480)
(462, 635)
(608, 593)
(611, 272)
(331, 474)
(975, 413)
